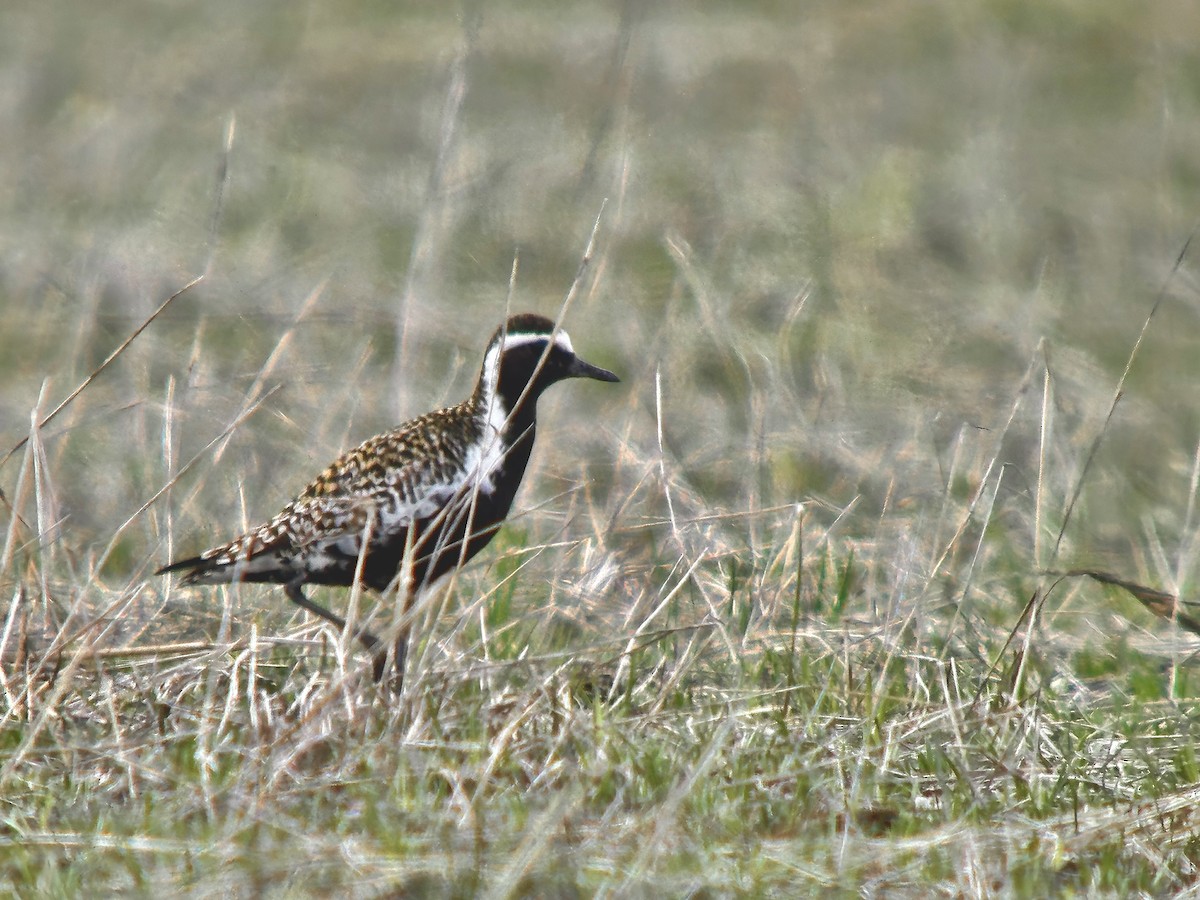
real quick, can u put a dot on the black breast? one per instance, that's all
(441, 541)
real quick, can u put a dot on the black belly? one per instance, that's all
(441, 543)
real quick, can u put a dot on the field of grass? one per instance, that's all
(906, 318)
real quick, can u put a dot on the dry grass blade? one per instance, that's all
(218, 204)
(109, 360)
(251, 395)
(422, 252)
(1118, 391)
(968, 515)
(1162, 604)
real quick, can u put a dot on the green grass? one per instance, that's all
(775, 618)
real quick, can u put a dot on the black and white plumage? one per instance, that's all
(427, 496)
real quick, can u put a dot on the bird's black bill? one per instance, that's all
(581, 369)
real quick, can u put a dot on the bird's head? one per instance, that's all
(525, 356)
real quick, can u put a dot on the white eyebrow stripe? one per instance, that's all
(491, 360)
(516, 339)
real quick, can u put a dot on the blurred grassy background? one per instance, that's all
(854, 240)
(858, 220)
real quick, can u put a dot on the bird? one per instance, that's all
(406, 507)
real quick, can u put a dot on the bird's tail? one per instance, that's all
(197, 570)
(219, 566)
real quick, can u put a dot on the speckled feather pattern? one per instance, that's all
(399, 475)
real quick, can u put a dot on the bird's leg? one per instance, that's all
(372, 643)
(398, 654)
(297, 596)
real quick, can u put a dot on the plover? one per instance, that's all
(425, 497)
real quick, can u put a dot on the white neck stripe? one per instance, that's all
(491, 361)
